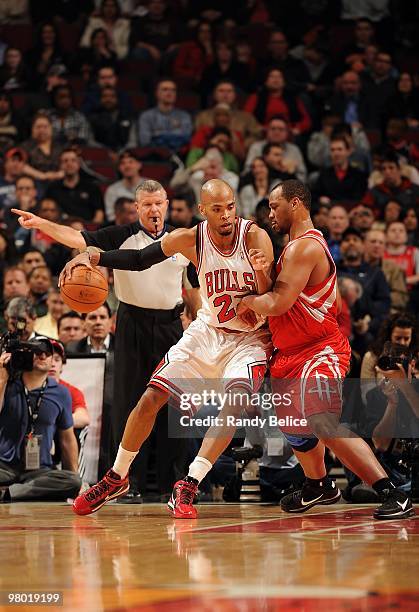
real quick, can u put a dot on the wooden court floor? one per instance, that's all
(234, 558)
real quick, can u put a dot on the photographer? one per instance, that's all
(393, 412)
(33, 408)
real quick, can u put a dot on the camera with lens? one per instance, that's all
(394, 355)
(22, 352)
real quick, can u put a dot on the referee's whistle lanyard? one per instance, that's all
(33, 411)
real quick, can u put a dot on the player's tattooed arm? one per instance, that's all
(261, 257)
(298, 263)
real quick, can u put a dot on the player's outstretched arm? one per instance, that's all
(60, 233)
(261, 257)
(297, 265)
(179, 241)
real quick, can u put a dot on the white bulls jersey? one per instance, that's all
(224, 278)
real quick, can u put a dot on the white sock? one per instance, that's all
(199, 468)
(123, 461)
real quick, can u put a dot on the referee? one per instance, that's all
(148, 320)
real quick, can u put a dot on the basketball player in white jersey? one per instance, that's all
(226, 251)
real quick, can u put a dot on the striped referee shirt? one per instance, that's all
(159, 287)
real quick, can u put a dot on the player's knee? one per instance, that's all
(150, 403)
(324, 425)
(301, 444)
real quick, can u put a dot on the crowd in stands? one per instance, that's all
(96, 95)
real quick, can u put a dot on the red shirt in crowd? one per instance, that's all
(278, 106)
(77, 397)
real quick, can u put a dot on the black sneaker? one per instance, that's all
(396, 505)
(309, 496)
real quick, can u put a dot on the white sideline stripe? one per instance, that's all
(299, 534)
(267, 520)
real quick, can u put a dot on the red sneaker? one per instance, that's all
(181, 502)
(110, 487)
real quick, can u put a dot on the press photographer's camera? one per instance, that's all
(393, 356)
(22, 353)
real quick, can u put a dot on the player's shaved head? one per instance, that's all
(216, 191)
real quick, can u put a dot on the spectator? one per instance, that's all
(105, 77)
(374, 249)
(26, 199)
(14, 163)
(224, 66)
(341, 182)
(40, 100)
(130, 170)
(320, 218)
(15, 283)
(400, 328)
(111, 126)
(97, 54)
(230, 145)
(13, 74)
(70, 327)
(407, 257)
(392, 212)
(278, 133)
(410, 220)
(98, 339)
(405, 102)
(47, 325)
(393, 187)
(361, 218)
(318, 148)
(155, 32)
(20, 308)
(125, 211)
(374, 305)
(10, 123)
(45, 54)
(257, 187)
(181, 209)
(241, 121)
(350, 291)
(8, 253)
(77, 196)
(396, 137)
(364, 35)
(39, 280)
(116, 27)
(78, 403)
(37, 404)
(350, 103)
(68, 124)
(165, 125)
(32, 258)
(337, 224)
(379, 85)
(294, 71)
(274, 99)
(274, 158)
(194, 55)
(43, 151)
(210, 166)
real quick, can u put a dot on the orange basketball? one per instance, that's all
(86, 290)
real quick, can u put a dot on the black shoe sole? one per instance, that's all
(325, 502)
(403, 514)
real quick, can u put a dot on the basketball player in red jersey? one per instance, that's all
(218, 345)
(313, 357)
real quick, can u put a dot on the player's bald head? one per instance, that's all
(216, 191)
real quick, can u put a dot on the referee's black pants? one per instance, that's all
(143, 336)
